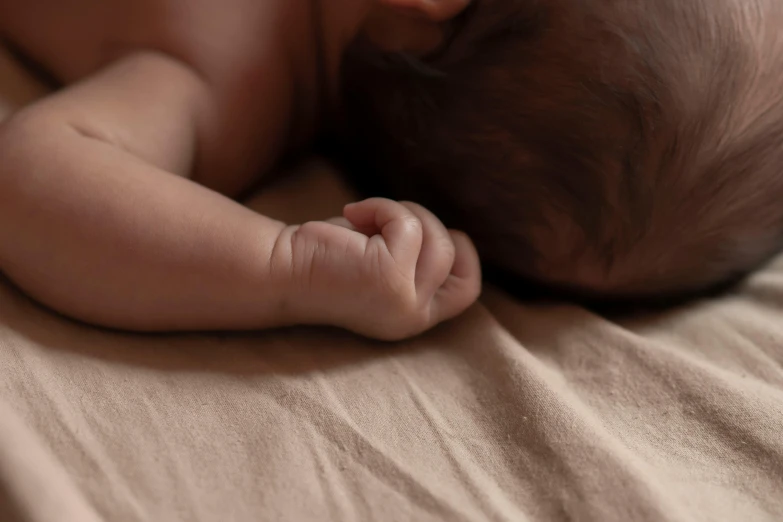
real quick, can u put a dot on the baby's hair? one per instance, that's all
(611, 149)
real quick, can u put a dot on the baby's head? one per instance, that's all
(615, 149)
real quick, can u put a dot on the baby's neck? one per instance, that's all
(330, 27)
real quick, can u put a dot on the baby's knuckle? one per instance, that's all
(412, 226)
(414, 208)
(445, 254)
(448, 250)
(410, 205)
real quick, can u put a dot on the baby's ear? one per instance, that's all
(433, 10)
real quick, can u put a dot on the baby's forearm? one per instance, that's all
(103, 237)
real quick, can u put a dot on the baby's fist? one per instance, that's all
(386, 270)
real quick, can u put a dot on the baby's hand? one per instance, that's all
(385, 270)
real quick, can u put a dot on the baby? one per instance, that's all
(615, 149)
(116, 191)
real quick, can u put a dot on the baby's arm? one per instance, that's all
(94, 224)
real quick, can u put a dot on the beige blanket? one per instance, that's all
(511, 413)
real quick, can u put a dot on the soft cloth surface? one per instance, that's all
(513, 412)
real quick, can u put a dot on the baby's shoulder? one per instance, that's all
(204, 33)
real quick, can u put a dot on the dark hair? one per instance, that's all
(612, 149)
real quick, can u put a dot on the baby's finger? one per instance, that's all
(344, 223)
(463, 286)
(401, 229)
(341, 222)
(437, 252)
(467, 264)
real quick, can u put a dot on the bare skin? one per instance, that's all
(116, 192)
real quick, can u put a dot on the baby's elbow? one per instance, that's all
(22, 135)
(27, 137)
(11, 141)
